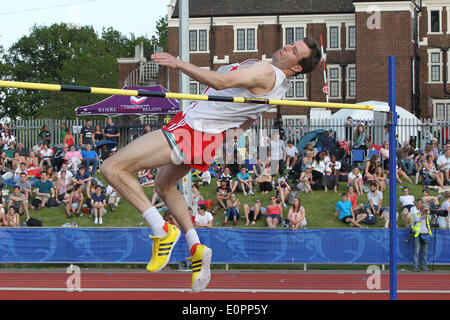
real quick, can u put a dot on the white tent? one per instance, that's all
(407, 123)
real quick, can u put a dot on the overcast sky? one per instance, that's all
(133, 16)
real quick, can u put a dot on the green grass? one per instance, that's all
(319, 206)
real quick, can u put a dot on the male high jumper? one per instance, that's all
(175, 149)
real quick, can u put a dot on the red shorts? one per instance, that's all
(193, 148)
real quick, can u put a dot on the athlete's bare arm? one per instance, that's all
(258, 79)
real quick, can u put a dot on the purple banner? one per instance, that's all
(117, 105)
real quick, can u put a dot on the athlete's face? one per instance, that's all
(289, 56)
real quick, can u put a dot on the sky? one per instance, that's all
(133, 16)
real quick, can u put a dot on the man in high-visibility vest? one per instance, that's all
(421, 231)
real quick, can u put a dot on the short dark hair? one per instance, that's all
(202, 206)
(309, 63)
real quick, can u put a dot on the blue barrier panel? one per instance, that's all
(132, 245)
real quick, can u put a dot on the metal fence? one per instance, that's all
(422, 132)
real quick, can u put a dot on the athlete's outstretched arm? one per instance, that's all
(258, 78)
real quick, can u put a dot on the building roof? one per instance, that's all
(221, 8)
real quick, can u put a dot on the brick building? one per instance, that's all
(358, 37)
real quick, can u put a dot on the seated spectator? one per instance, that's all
(282, 189)
(222, 196)
(274, 213)
(232, 211)
(405, 158)
(23, 152)
(375, 198)
(420, 160)
(429, 151)
(291, 155)
(82, 178)
(306, 180)
(24, 185)
(11, 218)
(380, 179)
(265, 182)
(51, 174)
(21, 168)
(73, 158)
(245, 181)
(371, 167)
(45, 135)
(68, 176)
(59, 157)
(68, 138)
(435, 148)
(254, 212)
(3, 160)
(37, 148)
(353, 197)
(46, 156)
(32, 160)
(90, 158)
(145, 178)
(258, 167)
(431, 173)
(345, 212)
(75, 202)
(18, 201)
(205, 178)
(334, 165)
(360, 140)
(407, 202)
(2, 214)
(98, 202)
(431, 201)
(226, 176)
(204, 218)
(444, 222)
(401, 173)
(113, 197)
(308, 160)
(384, 152)
(443, 165)
(330, 180)
(169, 217)
(355, 179)
(62, 196)
(44, 189)
(8, 140)
(15, 161)
(297, 215)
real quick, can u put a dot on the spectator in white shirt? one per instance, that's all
(291, 155)
(46, 155)
(355, 179)
(204, 218)
(407, 202)
(443, 164)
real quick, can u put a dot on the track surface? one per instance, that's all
(223, 286)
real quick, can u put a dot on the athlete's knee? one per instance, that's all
(107, 169)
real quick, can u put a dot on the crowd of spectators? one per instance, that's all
(56, 174)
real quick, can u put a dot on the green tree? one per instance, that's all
(162, 34)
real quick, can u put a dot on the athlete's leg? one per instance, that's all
(147, 152)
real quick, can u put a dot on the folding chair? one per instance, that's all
(357, 156)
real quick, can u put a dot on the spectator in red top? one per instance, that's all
(274, 213)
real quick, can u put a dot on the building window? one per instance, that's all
(334, 81)
(297, 89)
(435, 21)
(294, 34)
(351, 82)
(198, 40)
(246, 39)
(434, 66)
(333, 39)
(441, 110)
(196, 88)
(351, 37)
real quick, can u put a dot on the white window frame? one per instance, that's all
(347, 81)
(197, 30)
(448, 19)
(294, 26)
(446, 104)
(246, 28)
(330, 80)
(329, 26)
(435, 8)
(294, 81)
(431, 64)
(347, 36)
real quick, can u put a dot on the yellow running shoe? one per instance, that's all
(162, 249)
(201, 273)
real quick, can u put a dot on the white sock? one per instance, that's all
(155, 221)
(192, 238)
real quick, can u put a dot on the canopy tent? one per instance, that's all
(407, 124)
(126, 105)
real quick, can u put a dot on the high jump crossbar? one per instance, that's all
(182, 96)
